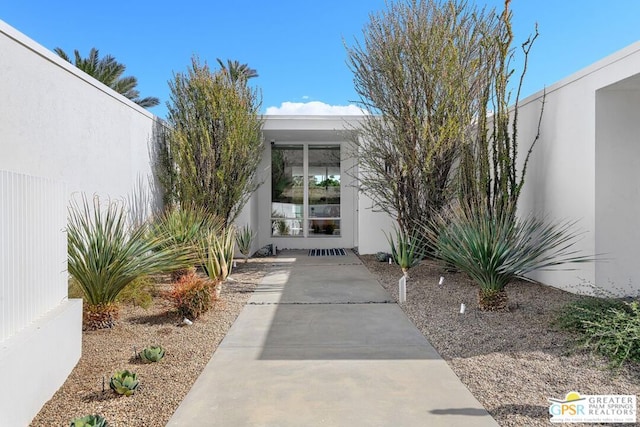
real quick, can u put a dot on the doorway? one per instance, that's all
(306, 191)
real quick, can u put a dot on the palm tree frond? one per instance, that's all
(109, 71)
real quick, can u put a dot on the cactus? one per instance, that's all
(152, 354)
(89, 421)
(124, 382)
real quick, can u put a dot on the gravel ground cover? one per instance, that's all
(164, 384)
(511, 361)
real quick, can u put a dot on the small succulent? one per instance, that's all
(124, 382)
(89, 421)
(152, 353)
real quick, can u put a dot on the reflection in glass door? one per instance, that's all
(287, 190)
(305, 190)
(324, 190)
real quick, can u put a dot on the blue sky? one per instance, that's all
(297, 46)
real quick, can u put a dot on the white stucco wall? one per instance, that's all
(572, 169)
(249, 216)
(372, 226)
(618, 185)
(59, 123)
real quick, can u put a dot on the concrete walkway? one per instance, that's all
(321, 344)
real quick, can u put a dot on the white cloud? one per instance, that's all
(314, 108)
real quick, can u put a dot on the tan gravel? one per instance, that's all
(163, 385)
(511, 361)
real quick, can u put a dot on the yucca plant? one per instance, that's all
(494, 250)
(406, 251)
(186, 227)
(244, 238)
(105, 255)
(152, 353)
(124, 382)
(89, 421)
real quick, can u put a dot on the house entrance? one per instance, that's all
(306, 188)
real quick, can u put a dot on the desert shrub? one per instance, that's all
(138, 293)
(74, 290)
(496, 249)
(573, 315)
(213, 142)
(186, 227)
(609, 327)
(192, 296)
(105, 255)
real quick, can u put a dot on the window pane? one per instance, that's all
(324, 182)
(287, 189)
(324, 227)
(286, 227)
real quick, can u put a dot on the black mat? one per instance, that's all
(327, 252)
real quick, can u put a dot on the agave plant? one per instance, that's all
(105, 255)
(152, 353)
(89, 421)
(494, 250)
(244, 238)
(124, 382)
(217, 254)
(406, 251)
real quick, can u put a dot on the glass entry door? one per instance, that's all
(305, 190)
(324, 190)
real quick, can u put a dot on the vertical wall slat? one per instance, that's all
(32, 249)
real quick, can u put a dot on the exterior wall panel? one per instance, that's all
(35, 316)
(33, 252)
(62, 125)
(571, 174)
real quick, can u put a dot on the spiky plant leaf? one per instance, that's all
(188, 227)
(244, 238)
(105, 254)
(494, 250)
(406, 251)
(216, 254)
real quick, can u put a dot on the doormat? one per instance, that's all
(327, 252)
